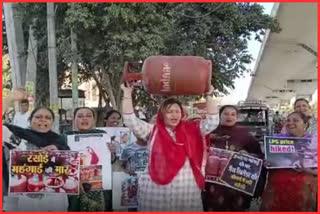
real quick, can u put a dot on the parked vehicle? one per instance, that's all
(256, 116)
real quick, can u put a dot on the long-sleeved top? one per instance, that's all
(143, 129)
(34, 141)
(183, 192)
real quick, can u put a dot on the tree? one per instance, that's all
(220, 32)
(38, 20)
(216, 31)
(108, 34)
(126, 32)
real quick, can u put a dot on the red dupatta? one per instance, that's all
(168, 156)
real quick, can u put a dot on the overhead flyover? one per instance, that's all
(287, 62)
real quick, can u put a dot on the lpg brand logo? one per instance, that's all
(165, 78)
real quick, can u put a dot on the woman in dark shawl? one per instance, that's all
(38, 137)
(229, 136)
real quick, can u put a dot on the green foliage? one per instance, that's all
(116, 33)
(109, 34)
(220, 32)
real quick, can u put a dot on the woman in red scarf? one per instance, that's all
(173, 179)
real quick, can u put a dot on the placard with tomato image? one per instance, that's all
(91, 177)
(44, 172)
(95, 159)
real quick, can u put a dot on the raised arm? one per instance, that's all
(141, 128)
(127, 106)
(16, 94)
(211, 121)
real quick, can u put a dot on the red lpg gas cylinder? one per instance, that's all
(173, 75)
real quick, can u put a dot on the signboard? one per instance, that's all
(291, 152)
(95, 159)
(234, 170)
(45, 172)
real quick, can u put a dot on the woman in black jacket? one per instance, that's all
(37, 137)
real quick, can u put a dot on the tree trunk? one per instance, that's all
(15, 44)
(32, 60)
(100, 99)
(107, 83)
(119, 92)
(106, 100)
(53, 77)
(31, 74)
(74, 68)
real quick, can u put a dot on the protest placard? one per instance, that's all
(242, 173)
(44, 172)
(91, 176)
(135, 156)
(234, 170)
(291, 152)
(124, 192)
(95, 159)
(125, 186)
(216, 163)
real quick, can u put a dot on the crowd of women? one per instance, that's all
(178, 149)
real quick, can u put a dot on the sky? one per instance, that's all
(242, 84)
